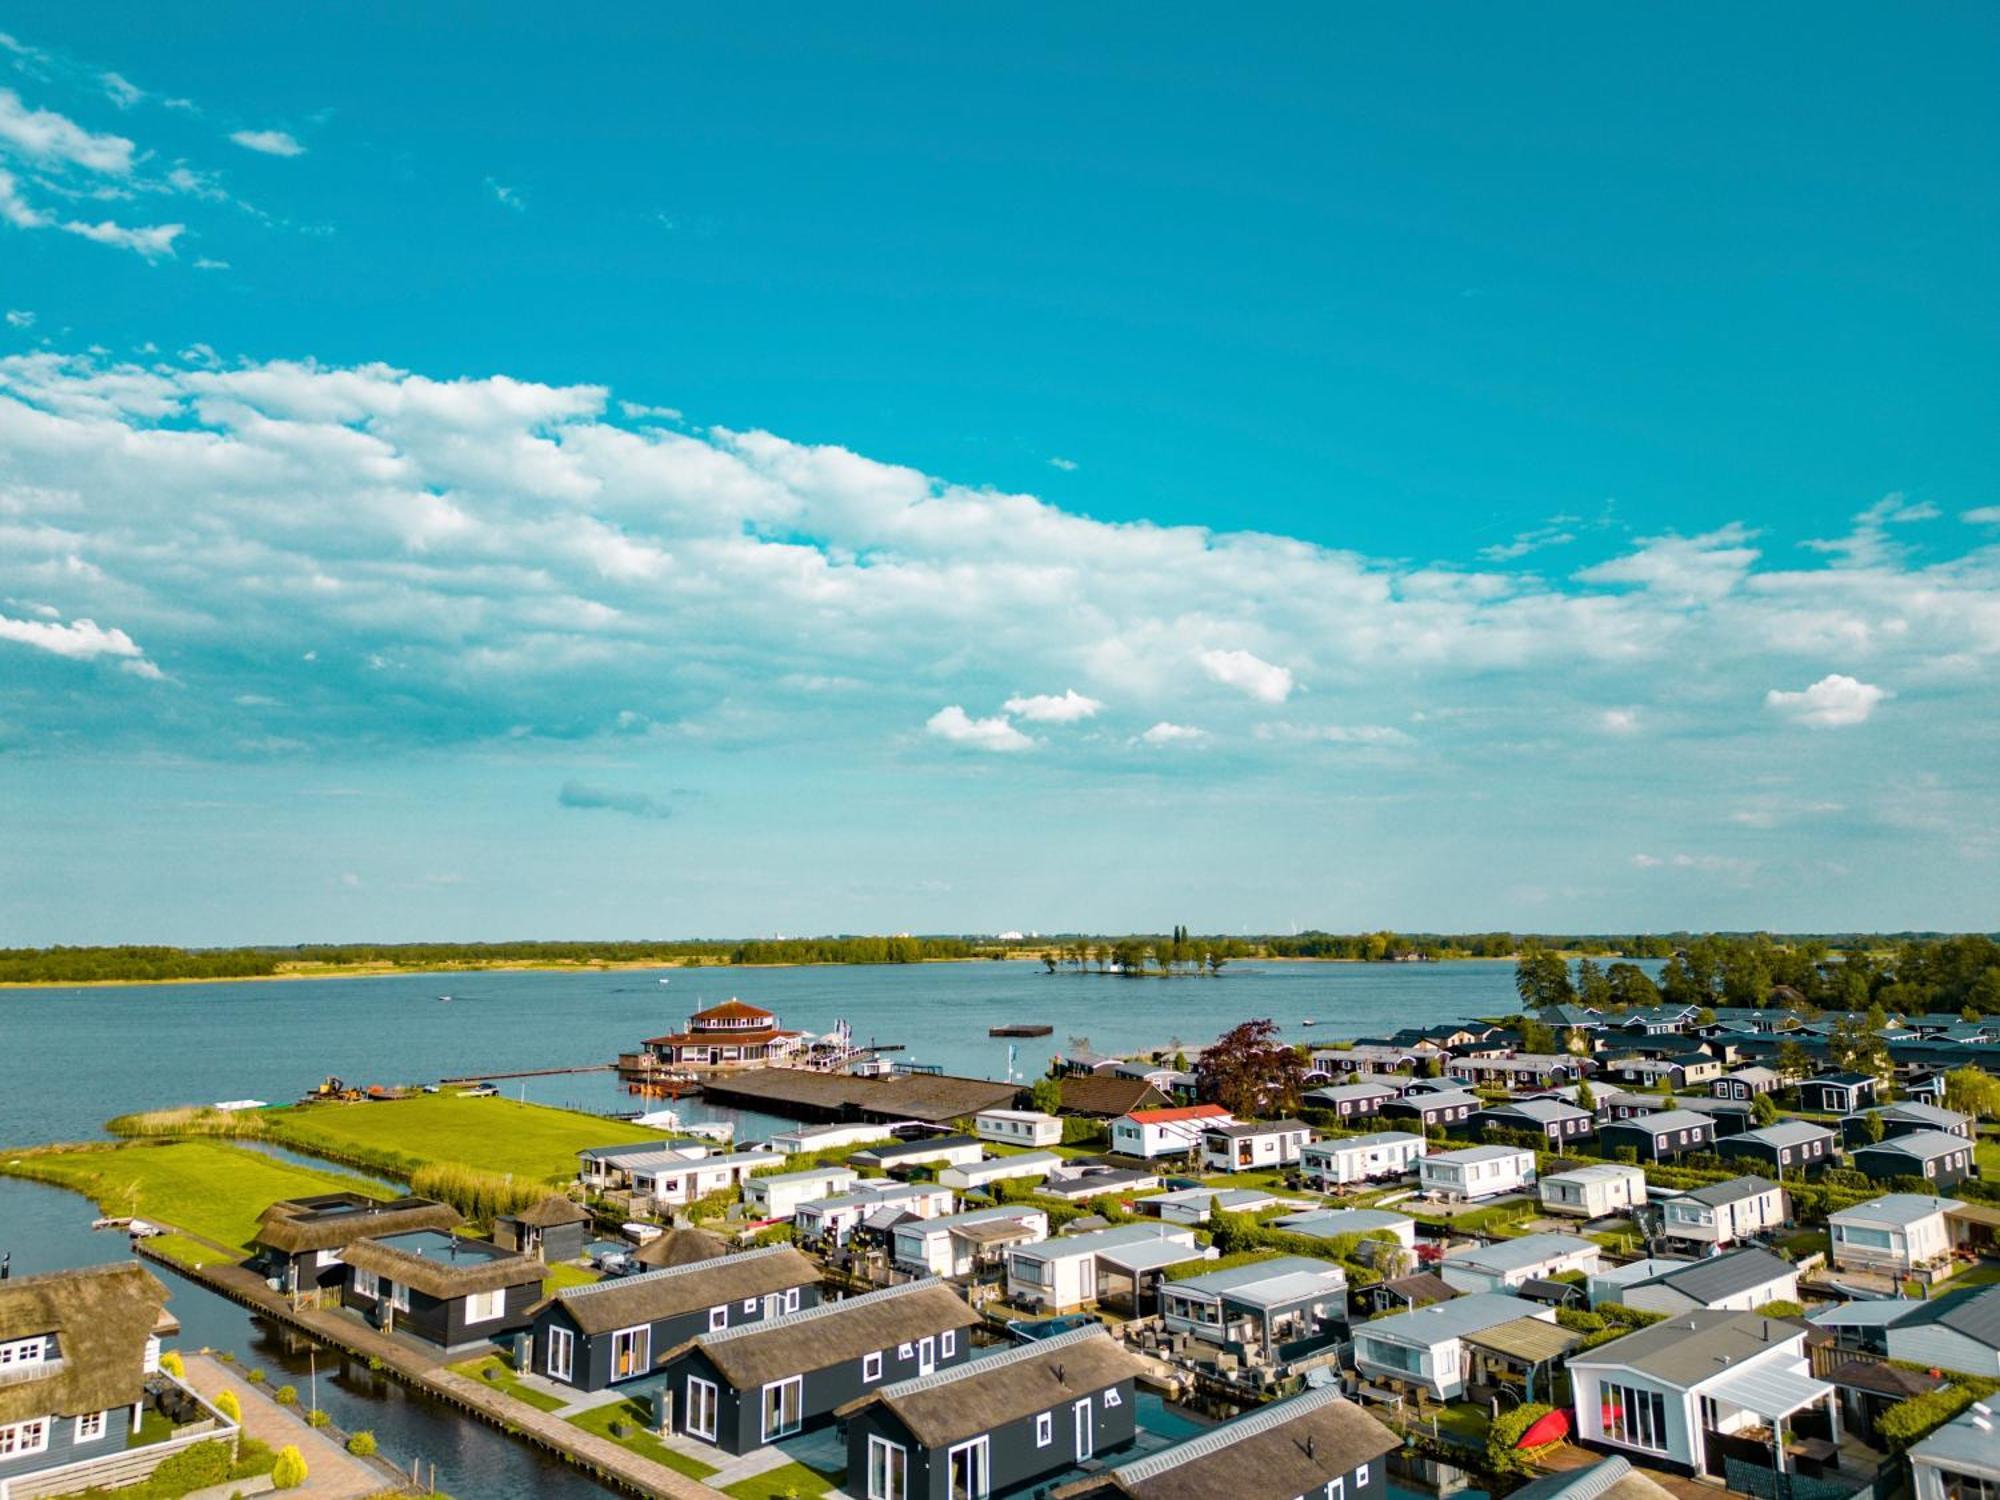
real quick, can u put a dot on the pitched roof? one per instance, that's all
(1251, 1129)
(1667, 1119)
(651, 1295)
(1527, 1340)
(1108, 1096)
(294, 1227)
(983, 1394)
(1892, 1208)
(552, 1212)
(1439, 1099)
(441, 1275)
(832, 1333)
(1923, 1145)
(1426, 1327)
(1735, 1190)
(681, 1247)
(1688, 1348)
(101, 1318)
(1421, 1288)
(1286, 1448)
(1613, 1479)
(1786, 1133)
(1721, 1276)
(1542, 1111)
(1974, 1312)
(734, 1010)
(1512, 1255)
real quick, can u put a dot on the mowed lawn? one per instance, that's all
(207, 1188)
(529, 1141)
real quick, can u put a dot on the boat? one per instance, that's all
(444, 999)
(663, 981)
(1021, 1028)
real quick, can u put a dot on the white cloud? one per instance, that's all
(44, 136)
(15, 209)
(152, 242)
(1050, 708)
(1682, 570)
(80, 640)
(508, 197)
(121, 90)
(1834, 702)
(959, 727)
(638, 412)
(18, 317)
(1985, 515)
(1869, 544)
(1336, 734)
(1164, 733)
(1619, 721)
(209, 263)
(1253, 675)
(1067, 465)
(1647, 862)
(268, 142)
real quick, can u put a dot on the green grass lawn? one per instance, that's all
(530, 1141)
(638, 1440)
(1984, 1274)
(205, 1187)
(786, 1479)
(563, 1274)
(179, 1248)
(153, 1428)
(1986, 1158)
(1465, 1422)
(503, 1378)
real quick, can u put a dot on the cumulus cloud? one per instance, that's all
(18, 317)
(268, 142)
(1984, 515)
(586, 797)
(152, 241)
(1164, 733)
(960, 728)
(1067, 465)
(445, 558)
(1834, 702)
(80, 640)
(1050, 708)
(1250, 674)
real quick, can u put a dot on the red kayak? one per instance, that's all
(1550, 1428)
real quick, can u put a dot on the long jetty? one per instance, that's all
(604, 1460)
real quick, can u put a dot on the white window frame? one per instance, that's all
(367, 1284)
(948, 1343)
(486, 1307)
(1045, 1429)
(18, 1352)
(796, 1382)
(1361, 1477)
(24, 1439)
(1336, 1489)
(749, 1305)
(565, 1340)
(718, 1316)
(694, 1407)
(791, 1299)
(896, 1454)
(639, 1338)
(984, 1449)
(1113, 1397)
(91, 1427)
(399, 1295)
(871, 1368)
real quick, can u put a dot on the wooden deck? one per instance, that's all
(607, 1461)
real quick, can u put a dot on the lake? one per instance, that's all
(70, 1058)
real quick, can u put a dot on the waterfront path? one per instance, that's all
(424, 1368)
(332, 1473)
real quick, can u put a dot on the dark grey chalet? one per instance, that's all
(1659, 1137)
(1315, 1446)
(1438, 1110)
(613, 1331)
(996, 1425)
(1941, 1158)
(1787, 1146)
(1556, 1121)
(447, 1291)
(1838, 1093)
(300, 1241)
(555, 1229)
(1904, 1117)
(754, 1385)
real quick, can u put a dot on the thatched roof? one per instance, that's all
(651, 1295)
(440, 1275)
(1290, 1447)
(101, 1319)
(552, 1212)
(294, 1228)
(982, 1394)
(681, 1247)
(832, 1333)
(1108, 1097)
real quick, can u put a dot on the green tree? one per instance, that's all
(1586, 1097)
(1537, 1036)
(1541, 978)
(1764, 1110)
(1628, 985)
(1793, 1061)
(1973, 1091)
(1593, 986)
(290, 1470)
(1046, 1095)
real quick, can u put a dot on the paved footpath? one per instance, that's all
(332, 1473)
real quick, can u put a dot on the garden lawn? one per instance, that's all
(638, 1440)
(205, 1188)
(184, 1251)
(1986, 1158)
(564, 1274)
(787, 1479)
(504, 1379)
(530, 1141)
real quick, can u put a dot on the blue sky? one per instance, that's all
(976, 471)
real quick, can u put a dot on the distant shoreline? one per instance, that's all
(390, 971)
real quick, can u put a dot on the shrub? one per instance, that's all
(286, 1395)
(290, 1470)
(256, 1375)
(173, 1364)
(477, 1195)
(1782, 1308)
(229, 1406)
(193, 1468)
(362, 1445)
(489, 1372)
(1502, 1457)
(1913, 1420)
(317, 1418)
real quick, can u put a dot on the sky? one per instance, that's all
(959, 470)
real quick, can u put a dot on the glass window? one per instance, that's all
(1634, 1418)
(485, 1307)
(701, 1405)
(1113, 1397)
(784, 1402)
(1045, 1429)
(90, 1427)
(888, 1469)
(718, 1317)
(871, 1367)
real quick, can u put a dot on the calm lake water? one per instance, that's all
(69, 1059)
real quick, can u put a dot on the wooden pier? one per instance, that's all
(608, 1462)
(603, 1067)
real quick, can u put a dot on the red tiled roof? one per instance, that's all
(717, 1038)
(1184, 1112)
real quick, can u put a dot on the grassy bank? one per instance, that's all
(531, 1143)
(208, 1190)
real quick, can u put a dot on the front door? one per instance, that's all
(1086, 1430)
(966, 1467)
(562, 1353)
(926, 1355)
(631, 1351)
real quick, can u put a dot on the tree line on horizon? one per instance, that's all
(1832, 971)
